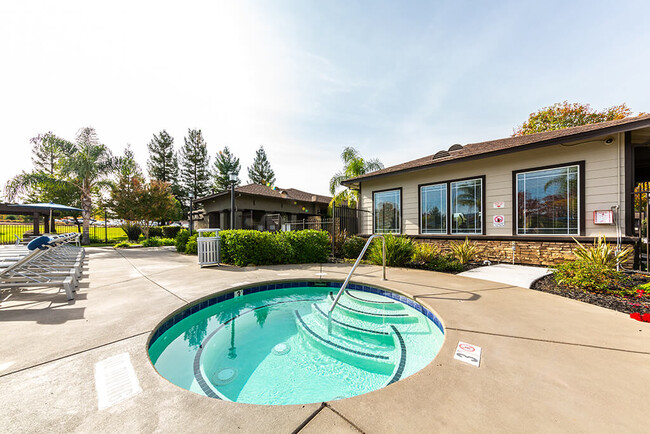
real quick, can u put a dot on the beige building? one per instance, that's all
(522, 198)
(263, 208)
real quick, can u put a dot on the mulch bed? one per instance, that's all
(625, 304)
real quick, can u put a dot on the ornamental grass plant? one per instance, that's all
(399, 250)
(464, 252)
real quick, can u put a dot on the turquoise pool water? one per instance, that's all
(272, 346)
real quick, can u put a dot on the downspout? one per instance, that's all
(617, 208)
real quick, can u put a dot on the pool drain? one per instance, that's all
(224, 376)
(281, 349)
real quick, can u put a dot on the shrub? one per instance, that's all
(132, 230)
(122, 245)
(352, 247)
(446, 264)
(464, 252)
(181, 240)
(155, 231)
(191, 248)
(588, 276)
(151, 242)
(170, 231)
(399, 250)
(167, 241)
(601, 253)
(307, 246)
(245, 247)
(425, 252)
(337, 243)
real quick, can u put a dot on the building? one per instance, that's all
(263, 208)
(520, 198)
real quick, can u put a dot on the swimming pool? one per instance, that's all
(269, 343)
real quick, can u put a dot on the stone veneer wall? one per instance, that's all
(526, 252)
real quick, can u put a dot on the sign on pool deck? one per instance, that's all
(468, 353)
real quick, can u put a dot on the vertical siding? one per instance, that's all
(602, 190)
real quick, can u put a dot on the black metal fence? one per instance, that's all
(10, 232)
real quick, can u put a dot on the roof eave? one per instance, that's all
(549, 142)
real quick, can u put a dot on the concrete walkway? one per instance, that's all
(549, 364)
(515, 275)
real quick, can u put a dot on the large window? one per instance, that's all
(433, 209)
(387, 211)
(466, 206)
(548, 201)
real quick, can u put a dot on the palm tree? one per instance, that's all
(85, 168)
(353, 165)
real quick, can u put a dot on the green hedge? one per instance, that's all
(249, 247)
(181, 240)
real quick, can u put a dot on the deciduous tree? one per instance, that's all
(564, 115)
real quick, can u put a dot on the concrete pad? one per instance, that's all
(330, 422)
(549, 363)
(61, 397)
(515, 275)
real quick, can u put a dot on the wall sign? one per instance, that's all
(498, 221)
(468, 353)
(498, 204)
(604, 217)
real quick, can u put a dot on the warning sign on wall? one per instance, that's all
(498, 221)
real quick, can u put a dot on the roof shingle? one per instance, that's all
(510, 144)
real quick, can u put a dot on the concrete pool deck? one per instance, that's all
(549, 363)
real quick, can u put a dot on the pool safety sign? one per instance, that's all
(499, 221)
(468, 353)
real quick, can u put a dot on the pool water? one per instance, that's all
(273, 347)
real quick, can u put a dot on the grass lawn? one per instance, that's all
(8, 232)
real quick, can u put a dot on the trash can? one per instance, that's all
(209, 247)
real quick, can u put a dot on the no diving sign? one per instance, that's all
(468, 353)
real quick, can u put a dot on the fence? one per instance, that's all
(9, 232)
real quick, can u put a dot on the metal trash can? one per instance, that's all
(209, 247)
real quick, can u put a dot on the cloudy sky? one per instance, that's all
(396, 80)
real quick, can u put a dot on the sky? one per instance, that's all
(306, 78)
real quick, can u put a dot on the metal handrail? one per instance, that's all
(354, 267)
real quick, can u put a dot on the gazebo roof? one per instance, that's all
(30, 208)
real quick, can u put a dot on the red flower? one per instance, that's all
(636, 316)
(646, 317)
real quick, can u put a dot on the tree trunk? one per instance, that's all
(86, 206)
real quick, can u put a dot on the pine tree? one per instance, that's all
(225, 164)
(260, 172)
(163, 162)
(194, 172)
(47, 150)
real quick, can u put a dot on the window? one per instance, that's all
(387, 211)
(548, 201)
(433, 209)
(466, 206)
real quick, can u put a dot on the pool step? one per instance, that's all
(372, 300)
(358, 332)
(368, 314)
(369, 357)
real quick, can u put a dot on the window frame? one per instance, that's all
(420, 187)
(482, 178)
(581, 198)
(401, 207)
